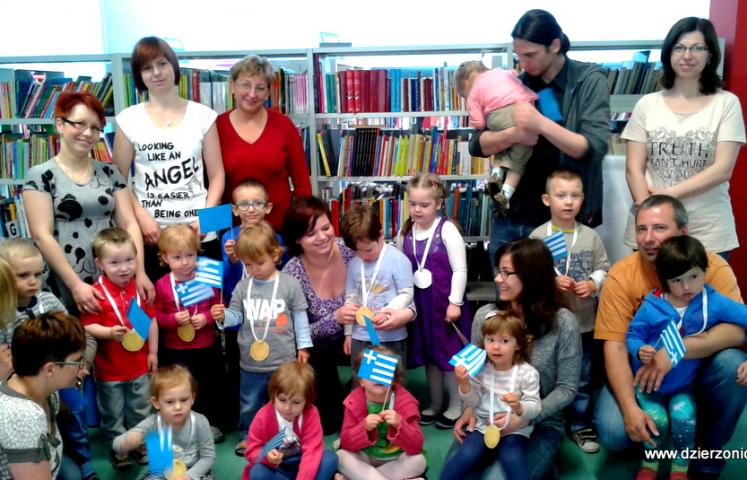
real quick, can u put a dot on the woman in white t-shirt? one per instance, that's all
(174, 143)
(683, 140)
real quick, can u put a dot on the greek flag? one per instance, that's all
(192, 292)
(378, 367)
(470, 357)
(209, 272)
(672, 341)
(556, 244)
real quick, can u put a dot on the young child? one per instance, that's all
(290, 410)
(505, 384)
(188, 333)
(379, 281)
(694, 307)
(173, 390)
(271, 309)
(122, 360)
(581, 272)
(379, 441)
(491, 96)
(27, 265)
(438, 259)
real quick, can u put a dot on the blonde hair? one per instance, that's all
(8, 295)
(171, 376)
(291, 378)
(177, 237)
(509, 324)
(426, 181)
(464, 71)
(253, 66)
(18, 248)
(256, 242)
(111, 236)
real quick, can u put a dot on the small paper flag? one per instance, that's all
(192, 292)
(139, 319)
(470, 357)
(672, 341)
(556, 244)
(378, 367)
(160, 454)
(275, 442)
(371, 330)
(209, 272)
(215, 218)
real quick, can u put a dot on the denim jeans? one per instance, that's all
(288, 470)
(74, 431)
(123, 404)
(253, 396)
(510, 452)
(721, 403)
(578, 413)
(505, 230)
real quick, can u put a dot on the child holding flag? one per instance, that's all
(684, 306)
(581, 265)
(188, 333)
(271, 309)
(380, 437)
(122, 359)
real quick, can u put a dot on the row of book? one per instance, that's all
(33, 94)
(371, 151)
(387, 90)
(12, 217)
(467, 205)
(634, 77)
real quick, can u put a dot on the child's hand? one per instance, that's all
(131, 441)
(392, 418)
(646, 354)
(152, 362)
(372, 421)
(345, 315)
(453, 312)
(275, 456)
(118, 332)
(512, 400)
(218, 312)
(182, 317)
(230, 249)
(742, 374)
(347, 345)
(461, 373)
(565, 283)
(303, 355)
(585, 288)
(198, 321)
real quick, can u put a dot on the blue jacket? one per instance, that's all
(655, 314)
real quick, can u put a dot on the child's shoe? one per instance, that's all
(502, 202)
(586, 439)
(218, 436)
(140, 455)
(494, 185)
(120, 462)
(240, 448)
(646, 473)
(427, 417)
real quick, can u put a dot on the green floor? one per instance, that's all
(572, 464)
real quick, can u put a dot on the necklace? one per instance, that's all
(78, 176)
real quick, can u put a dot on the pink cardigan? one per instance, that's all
(165, 308)
(408, 437)
(265, 426)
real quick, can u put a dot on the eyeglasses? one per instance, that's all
(249, 204)
(504, 274)
(695, 49)
(83, 126)
(81, 364)
(246, 87)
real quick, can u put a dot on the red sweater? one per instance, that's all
(265, 426)
(273, 158)
(408, 437)
(165, 307)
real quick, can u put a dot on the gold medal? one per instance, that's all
(361, 314)
(492, 436)
(186, 332)
(177, 471)
(259, 350)
(132, 342)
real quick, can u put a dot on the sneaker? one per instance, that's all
(502, 202)
(427, 418)
(240, 448)
(494, 185)
(444, 423)
(586, 439)
(218, 436)
(120, 462)
(336, 444)
(140, 455)
(646, 473)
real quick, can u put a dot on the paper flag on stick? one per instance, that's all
(215, 218)
(192, 292)
(556, 244)
(275, 442)
(672, 341)
(470, 357)
(209, 272)
(139, 319)
(160, 454)
(378, 367)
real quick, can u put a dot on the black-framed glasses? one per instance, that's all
(247, 204)
(83, 126)
(81, 364)
(695, 49)
(504, 274)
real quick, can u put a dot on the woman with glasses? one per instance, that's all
(70, 197)
(526, 287)
(683, 140)
(174, 145)
(48, 355)
(259, 142)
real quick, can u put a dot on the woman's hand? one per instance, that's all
(466, 420)
(199, 321)
(145, 288)
(86, 297)
(453, 312)
(150, 229)
(345, 315)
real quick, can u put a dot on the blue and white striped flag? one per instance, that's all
(470, 357)
(556, 244)
(192, 292)
(209, 272)
(672, 341)
(378, 367)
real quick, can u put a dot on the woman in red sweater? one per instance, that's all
(261, 143)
